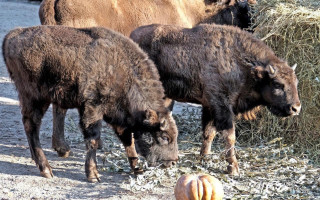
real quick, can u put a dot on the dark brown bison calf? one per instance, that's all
(226, 70)
(101, 73)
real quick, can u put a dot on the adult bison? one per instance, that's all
(101, 73)
(125, 16)
(226, 70)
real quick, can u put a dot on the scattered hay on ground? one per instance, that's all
(268, 171)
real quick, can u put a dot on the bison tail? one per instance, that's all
(6, 47)
(47, 12)
(3, 49)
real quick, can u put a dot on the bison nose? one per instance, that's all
(295, 109)
(168, 164)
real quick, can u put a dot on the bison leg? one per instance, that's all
(230, 139)
(133, 156)
(91, 162)
(127, 140)
(209, 132)
(32, 113)
(92, 135)
(58, 141)
(90, 124)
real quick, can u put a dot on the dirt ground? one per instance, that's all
(267, 171)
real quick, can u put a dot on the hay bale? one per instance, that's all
(292, 29)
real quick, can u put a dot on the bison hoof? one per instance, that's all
(63, 152)
(47, 173)
(204, 151)
(93, 179)
(61, 147)
(233, 170)
(93, 176)
(138, 171)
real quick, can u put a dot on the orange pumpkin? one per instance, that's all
(198, 187)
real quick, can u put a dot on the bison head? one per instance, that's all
(158, 142)
(278, 88)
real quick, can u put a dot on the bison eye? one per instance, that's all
(164, 139)
(278, 86)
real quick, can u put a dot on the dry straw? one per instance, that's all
(292, 29)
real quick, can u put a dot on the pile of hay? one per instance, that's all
(292, 29)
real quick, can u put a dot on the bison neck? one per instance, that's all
(246, 101)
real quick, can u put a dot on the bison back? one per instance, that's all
(68, 65)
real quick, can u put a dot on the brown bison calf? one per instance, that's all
(101, 73)
(226, 70)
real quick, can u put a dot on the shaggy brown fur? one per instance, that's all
(225, 69)
(103, 74)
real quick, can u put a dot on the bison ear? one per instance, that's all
(258, 72)
(271, 71)
(151, 117)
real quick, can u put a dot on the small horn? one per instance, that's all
(271, 69)
(294, 67)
